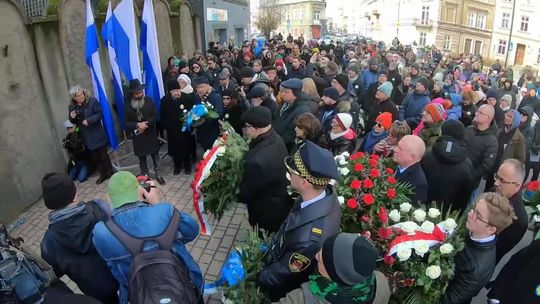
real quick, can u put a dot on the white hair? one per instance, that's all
(74, 90)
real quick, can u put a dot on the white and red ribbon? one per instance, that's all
(409, 241)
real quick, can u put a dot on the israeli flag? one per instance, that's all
(108, 39)
(92, 60)
(149, 47)
(124, 40)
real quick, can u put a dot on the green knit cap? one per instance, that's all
(123, 188)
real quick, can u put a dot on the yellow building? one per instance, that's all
(302, 17)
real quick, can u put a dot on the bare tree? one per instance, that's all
(269, 16)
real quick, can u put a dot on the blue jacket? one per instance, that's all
(412, 108)
(369, 77)
(143, 220)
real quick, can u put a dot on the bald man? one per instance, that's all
(481, 142)
(407, 155)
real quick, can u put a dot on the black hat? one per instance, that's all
(258, 117)
(58, 190)
(199, 80)
(293, 84)
(259, 90)
(349, 258)
(332, 93)
(135, 85)
(424, 82)
(343, 80)
(453, 128)
(182, 64)
(246, 72)
(173, 84)
(313, 163)
(381, 72)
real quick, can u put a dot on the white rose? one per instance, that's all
(450, 224)
(536, 218)
(419, 215)
(344, 171)
(343, 161)
(221, 150)
(394, 215)
(341, 200)
(227, 116)
(404, 254)
(433, 212)
(345, 154)
(421, 248)
(409, 227)
(185, 111)
(538, 207)
(446, 248)
(433, 271)
(427, 227)
(405, 207)
(181, 107)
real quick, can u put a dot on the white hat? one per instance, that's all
(344, 119)
(185, 78)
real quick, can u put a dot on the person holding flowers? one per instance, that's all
(208, 131)
(475, 264)
(378, 132)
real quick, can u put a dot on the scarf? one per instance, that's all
(64, 213)
(137, 105)
(372, 139)
(332, 292)
(338, 135)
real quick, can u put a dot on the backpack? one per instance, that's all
(157, 276)
(24, 276)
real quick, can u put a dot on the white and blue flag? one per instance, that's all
(124, 40)
(149, 47)
(92, 60)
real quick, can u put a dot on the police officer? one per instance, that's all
(314, 217)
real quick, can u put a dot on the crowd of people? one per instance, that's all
(447, 122)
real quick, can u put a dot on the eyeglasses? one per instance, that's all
(478, 112)
(502, 180)
(479, 216)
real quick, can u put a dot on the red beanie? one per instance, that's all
(385, 119)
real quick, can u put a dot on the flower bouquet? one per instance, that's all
(218, 176)
(531, 199)
(197, 115)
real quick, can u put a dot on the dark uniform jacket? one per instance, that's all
(291, 257)
(284, 121)
(414, 175)
(146, 142)
(93, 135)
(264, 184)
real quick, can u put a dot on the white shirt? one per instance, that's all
(304, 204)
(484, 240)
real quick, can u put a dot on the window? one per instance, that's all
(501, 49)
(467, 48)
(425, 14)
(316, 15)
(451, 14)
(538, 57)
(471, 20)
(477, 19)
(477, 47)
(481, 21)
(422, 40)
(505, 21)
(524, 23)
(447, 42)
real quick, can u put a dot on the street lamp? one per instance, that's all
(510, 35)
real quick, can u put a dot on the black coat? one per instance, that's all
(208, 132)
(378, 108)
(448, 172)
(264, 184)
(180, 144)
(93, 135)
(234, 116)
(474, 267)
(291, 256)
(283, 123)
(481, 149)
(67, 246)
(414, 175)
(510, 236)
(146, 142)
(467, 114)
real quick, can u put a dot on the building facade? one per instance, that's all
(524, 47)
(302, 17)
(226, 21)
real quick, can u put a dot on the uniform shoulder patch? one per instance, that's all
(298, 262)
(316, 231)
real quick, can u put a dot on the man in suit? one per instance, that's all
(314, 218)
(407, 155)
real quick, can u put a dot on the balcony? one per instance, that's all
(423, 23)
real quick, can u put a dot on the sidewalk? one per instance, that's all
(209, 252)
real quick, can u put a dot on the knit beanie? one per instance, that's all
(424, 82)
(123, 188)
(507, 97)
(246, 72)
(332, 93)
(516, 119)
(436, 111)
(385, 119)
(58, 190)
(453, 128)
(173, 84)
(386, 87)
(492, 93)
(343, 80)
(344, 120)
(349, 258)
(383, 72)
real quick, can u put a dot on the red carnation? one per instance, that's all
(358, 167)
(384, 233)
(368, 184)
(373, 162)
(391, 180)
(374, 173)
(389, 171)
(365, 218)
(533, 186)
(391, 193)
(389, 260)
(369, 199)
(351, 203)
(375, 156)
(356, 184)
(383, 215)
(408, 282)
(357, 155)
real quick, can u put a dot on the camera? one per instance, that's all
(143, 182)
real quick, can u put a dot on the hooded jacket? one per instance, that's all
(455, 186)
(481, 149)
(455, 111)
(526, 130)
(511, 145)
(413, 105)
(369, 76)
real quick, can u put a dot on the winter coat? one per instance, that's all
(454, 113)
(474, 266)
(456, 184)
(234, 116)
(371, 140)
(264, 183)
(430, 133)
(283, 123)
(412, 108)
(144, 143)
(467, 114)
(369, 77)
(180, 144)
(511, 145)
(378, 108)
(509, 237)
(414, 176)
(326, 114)
(299, 73)
(532, 102)
(482, 149)
(345, 143)
(93, 135)
(67, 246)
(369, 97)
(299, 238)
(208, 132)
